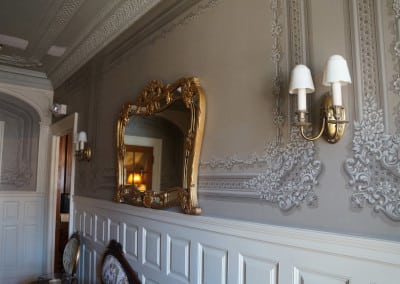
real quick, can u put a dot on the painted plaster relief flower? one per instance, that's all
(396, 83)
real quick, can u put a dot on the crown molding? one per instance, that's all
(117, 19)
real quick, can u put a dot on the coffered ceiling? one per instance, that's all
(58, 36)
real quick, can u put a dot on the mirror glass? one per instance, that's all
(158, 141)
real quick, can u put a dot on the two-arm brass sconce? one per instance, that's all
(333, 114)
(82, 149)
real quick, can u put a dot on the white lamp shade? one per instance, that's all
(82, 137)
(301, 79)
(336, 70)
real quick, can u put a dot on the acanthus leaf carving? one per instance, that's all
(287, 173)
(291, 175)
(375, 168)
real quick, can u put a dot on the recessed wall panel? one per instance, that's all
(87, 260)
(114, 231)
(149, 281)
(213, 265)
(178, 255)
(31, 240)
(257, 270)
(131, 241)
(10, 246)
(88, 225)
(152, 249)
(78, 221)
(101, 229)
(305, 276)
(11, 213)
(32, 212)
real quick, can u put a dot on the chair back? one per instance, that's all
(71, 254)
(115, 268)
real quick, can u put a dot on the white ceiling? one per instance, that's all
(58, 36)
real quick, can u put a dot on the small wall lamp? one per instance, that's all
(333, 115)
(82, 148)
(58, 109)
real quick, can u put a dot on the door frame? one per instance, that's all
(57, 129)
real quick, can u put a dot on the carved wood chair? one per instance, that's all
(115, 268)
(70, 263)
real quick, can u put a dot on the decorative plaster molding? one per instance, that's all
(297, 32)
(396, 55)
(227, 185)
(19, 61)
(121, 17)
(62, 18)
(290, 176)
(276, 30)
(368, 47)
(188, 18)
(289, 171)
(19, 144)
(374, 169)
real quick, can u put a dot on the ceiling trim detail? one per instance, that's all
(63, 17)
(124, 15)
(19, 61)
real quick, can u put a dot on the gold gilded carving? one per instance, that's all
(186, 96)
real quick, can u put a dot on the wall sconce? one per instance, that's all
(82, 149)
(333, 115)
(58, 109)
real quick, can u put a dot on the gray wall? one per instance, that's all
(237, 51)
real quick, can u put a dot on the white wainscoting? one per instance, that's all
(166, 247)
(21, 236)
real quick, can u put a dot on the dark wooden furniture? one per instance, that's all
(115, 268)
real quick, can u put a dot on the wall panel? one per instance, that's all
(167, 247)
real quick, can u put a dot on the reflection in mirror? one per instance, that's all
(158, 140)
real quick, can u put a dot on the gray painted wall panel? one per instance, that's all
(229, 45)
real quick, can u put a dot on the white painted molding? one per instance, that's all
(25, 78)
(170, 248)
(28, 225)
(326, 242)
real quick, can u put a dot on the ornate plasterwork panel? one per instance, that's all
(374, 169)
(19, 145)
(285, 174)
(396, 55)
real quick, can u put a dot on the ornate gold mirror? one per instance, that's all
(158, 146)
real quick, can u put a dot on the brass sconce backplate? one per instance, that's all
(333, 120)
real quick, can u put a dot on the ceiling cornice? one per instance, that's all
(121, 16)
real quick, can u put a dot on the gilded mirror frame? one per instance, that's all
(156, 98)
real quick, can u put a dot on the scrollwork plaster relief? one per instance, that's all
(374, 169)
(286, 173)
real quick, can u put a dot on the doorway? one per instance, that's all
(61, 190)
(138, 165)
(62, 199)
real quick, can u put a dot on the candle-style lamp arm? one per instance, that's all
(333, 121)
(333, 114)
